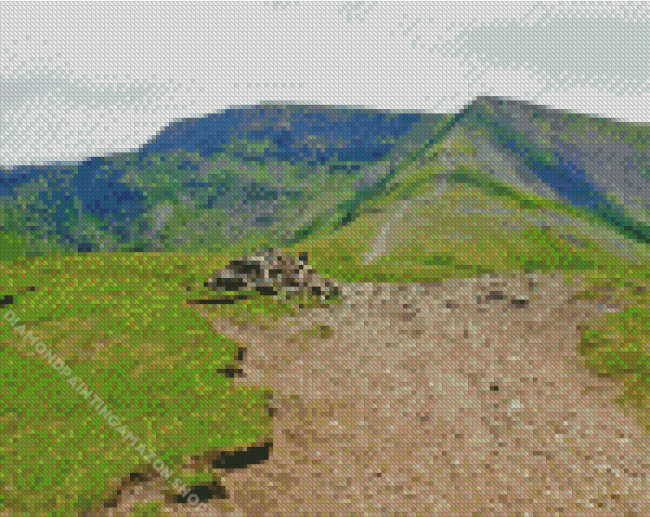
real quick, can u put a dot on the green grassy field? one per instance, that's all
(122, 324)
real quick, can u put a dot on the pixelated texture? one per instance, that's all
(217, 303)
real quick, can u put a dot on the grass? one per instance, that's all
(12, 246)
(616, 346)
(149, 509)
(153, 363)
(631, 133)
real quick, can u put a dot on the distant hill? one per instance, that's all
(276, 174)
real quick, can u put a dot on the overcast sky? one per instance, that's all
(86, 79)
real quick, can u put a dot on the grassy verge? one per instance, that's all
(121, 324)
(617, 345)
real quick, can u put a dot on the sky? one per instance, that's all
(89, 79)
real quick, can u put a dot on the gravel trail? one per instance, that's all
(380, 245)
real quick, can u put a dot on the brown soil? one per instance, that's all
(424, 402)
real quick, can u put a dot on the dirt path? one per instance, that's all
(379, 247)
(425, 402)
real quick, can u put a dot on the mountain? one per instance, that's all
(465, 211)
(276, 174)
(599, 165)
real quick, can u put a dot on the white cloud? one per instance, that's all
(87, 79)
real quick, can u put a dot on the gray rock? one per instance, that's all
(272, 274)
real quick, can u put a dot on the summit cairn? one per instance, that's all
(271, 273)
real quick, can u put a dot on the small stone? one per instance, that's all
(495, 295)
(519, 301)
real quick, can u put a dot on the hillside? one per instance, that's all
(203, 183)
(276, 174)
(514, 233)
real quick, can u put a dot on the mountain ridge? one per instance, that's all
(255, 167)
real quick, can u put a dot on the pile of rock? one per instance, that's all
(273, 274)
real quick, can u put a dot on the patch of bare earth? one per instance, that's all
(460, 398)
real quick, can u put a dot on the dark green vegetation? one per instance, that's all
(123, 324)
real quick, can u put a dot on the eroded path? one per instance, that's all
(424, 402)
(465, 397)
(380, 244)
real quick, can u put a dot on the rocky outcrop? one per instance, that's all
(273, 274)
